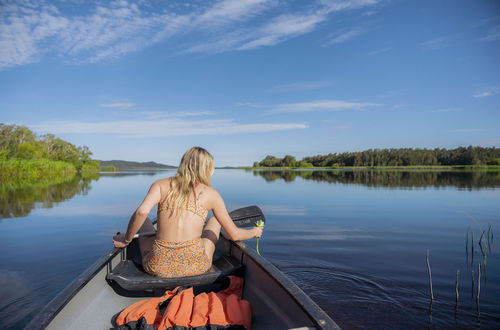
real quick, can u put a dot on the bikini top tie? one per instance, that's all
(196, 208)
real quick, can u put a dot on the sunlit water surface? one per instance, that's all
(355, 241)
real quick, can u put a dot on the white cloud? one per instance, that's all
(158, 114)
(161, 127)
(230, 11)
(118, 105)
(321, 105)
(446, 110)
(492, 142)
(22, 30)
(282, 28)
(301, 86)
(110, 30)
(493, 34)
(437, 43)
(465, 130)
(487, 92)
(279, 28)
(486, 21)
(344, 36)
(379, 51)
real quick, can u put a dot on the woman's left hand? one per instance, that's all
(119, 240)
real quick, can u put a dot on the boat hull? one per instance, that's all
(92, 302)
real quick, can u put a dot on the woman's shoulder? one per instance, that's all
(163, 184)
(207, 188)
(211, 192)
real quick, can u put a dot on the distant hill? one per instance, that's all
(127, 165)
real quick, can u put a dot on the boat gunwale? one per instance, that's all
(54, 307)
(310, 307)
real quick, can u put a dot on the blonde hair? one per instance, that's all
(196, 167)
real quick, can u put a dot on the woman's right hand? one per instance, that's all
(258, 231)
(119, 240)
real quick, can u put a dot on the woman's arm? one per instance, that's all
(234, 233)
(152, 197)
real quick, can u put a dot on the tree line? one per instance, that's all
(20, 143)
(402, 179)
(391, 157)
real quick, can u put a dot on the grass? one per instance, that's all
(15, 173)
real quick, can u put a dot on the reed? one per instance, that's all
(430, 275)
(472, 249)
(467, 248)
(478, 282)
(480, 242)
(472, 286)
(490, 237)
(457, 295)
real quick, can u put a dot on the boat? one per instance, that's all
(116, 280)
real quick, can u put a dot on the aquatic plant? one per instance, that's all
(430, 275)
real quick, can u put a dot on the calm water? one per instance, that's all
(355, 241)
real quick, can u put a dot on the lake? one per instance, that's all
(354, 240)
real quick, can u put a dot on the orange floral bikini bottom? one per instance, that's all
(176, 259)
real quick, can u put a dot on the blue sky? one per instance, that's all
(146, 80)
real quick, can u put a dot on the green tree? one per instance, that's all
(288, 161)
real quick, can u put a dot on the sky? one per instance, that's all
(146, 80)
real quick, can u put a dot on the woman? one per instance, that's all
(184, 245)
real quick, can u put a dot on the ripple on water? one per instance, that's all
(20, 298)
(343, 293)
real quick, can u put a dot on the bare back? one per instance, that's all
(186, 225)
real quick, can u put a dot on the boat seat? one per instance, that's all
(130, 276)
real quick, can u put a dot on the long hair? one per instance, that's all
(196, 167)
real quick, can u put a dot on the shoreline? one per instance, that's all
(416, 167)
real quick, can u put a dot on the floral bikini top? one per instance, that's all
(191, 206)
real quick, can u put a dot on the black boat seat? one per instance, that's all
(132, 277)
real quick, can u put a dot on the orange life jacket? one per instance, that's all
(224, 309)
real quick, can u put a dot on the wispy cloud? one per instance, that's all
(434, 44)
(158, 114)
(118, 105)
(379, 51)
(491, 26)
(486, 21)
(446, 110)
(343, 36)
(465, 130)
(282, 28)
(493, 34)
(487, 92)
(301, 86)
(109, 30)
(161, 127)
(491, 142)
(321, 105)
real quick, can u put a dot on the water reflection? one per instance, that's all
(19, 202)
(132, 173)
(391, 178)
